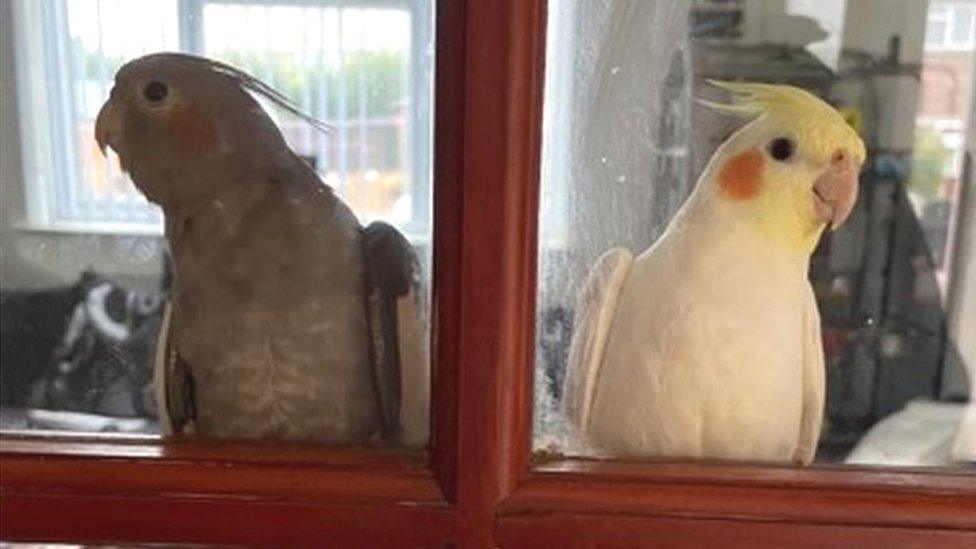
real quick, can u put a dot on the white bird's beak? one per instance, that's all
(835, 192)
(108, 126)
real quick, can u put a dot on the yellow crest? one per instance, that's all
(821, 129)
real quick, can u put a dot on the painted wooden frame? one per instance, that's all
(477, 486)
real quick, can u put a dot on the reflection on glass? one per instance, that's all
(625, 141)
(86, 274)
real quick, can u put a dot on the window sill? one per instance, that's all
(671, 532)
(140, 489)
(931, 499)
(91, 228)
(145, 464)
(111, 228)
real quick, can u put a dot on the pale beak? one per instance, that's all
(835, 192)
(108, 126)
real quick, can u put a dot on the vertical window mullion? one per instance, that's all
(361, 97)
(305, 101)
(61, 110)
(190, 23)
(417, 149)
(342, 115)
(322, 111)
(107, 208)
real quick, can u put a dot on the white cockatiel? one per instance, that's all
(288, 320)
(708, 344)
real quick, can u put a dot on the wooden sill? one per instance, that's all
(934, 499)
(147, 466)
(141, 489)
(568, 531)
(933, 479)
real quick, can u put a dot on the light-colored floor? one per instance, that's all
(923, 433)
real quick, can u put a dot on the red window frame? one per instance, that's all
(477, 486)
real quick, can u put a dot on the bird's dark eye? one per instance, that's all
(782, 148)
(155, 91)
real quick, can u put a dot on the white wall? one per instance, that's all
(962, 304)
(829, 14)
(871, 23)
(10, 194)
(868, 29)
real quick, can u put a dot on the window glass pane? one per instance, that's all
(97, 45)
(350, 67)
(962, 25)
(935, 32)
(297, 312)
(691, 302)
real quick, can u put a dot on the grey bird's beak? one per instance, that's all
(108, 126)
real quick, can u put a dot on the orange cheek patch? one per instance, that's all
(190, 130)
(739, 177)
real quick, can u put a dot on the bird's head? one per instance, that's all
(793, 169)
(183, 126)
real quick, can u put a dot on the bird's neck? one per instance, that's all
(717, 226)
(219, 213)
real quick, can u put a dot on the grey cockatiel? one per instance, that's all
(288, 319)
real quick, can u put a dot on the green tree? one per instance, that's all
(928, 162)
(305, 81)
(318, 87)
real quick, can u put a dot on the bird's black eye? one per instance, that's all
(782, 148)
(155, 91)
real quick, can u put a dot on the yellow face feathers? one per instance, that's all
(791, 170)
(820, 130)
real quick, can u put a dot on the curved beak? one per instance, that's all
(108, 126)
(835, 192)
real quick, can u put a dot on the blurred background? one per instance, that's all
(624, 142)
(82, 260)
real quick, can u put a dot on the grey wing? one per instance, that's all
(172, 381)
(595, 309)
(398, 348)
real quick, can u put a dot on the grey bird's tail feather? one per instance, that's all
(397, 335)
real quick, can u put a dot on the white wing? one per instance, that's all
(159, 372)
(172, 382)
(814, 380)
(595, 310)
